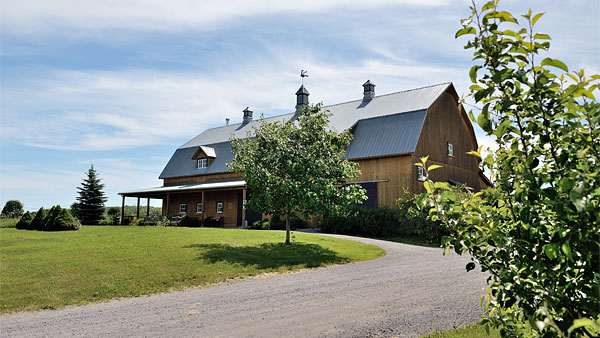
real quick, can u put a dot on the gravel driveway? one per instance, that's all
(409, 292)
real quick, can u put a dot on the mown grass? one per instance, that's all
(8, 222)
(48, 270)
(471, 331)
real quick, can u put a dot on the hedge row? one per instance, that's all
(55, 219)
(408, 221)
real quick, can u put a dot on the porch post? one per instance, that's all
(243, 207)
(122, 211)
(203, 207)
(137, 214)
(148, 208)
(167, 207)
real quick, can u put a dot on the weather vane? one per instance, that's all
(303, 74)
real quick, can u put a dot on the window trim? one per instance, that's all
(222, 207)
(184, 205)
(204, 161)
(450, 148)
(420, 174)
(198, 204)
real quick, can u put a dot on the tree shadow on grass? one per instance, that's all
(269, 255)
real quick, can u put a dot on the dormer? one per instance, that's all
(204, 156)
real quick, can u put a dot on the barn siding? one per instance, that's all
(445, 123)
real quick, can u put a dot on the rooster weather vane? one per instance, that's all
(303, 74)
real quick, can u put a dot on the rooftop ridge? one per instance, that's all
(341, 103)
(388, 94)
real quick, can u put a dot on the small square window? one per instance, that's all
(202, 163)
(450, 149)
(420, 174)
(182, 208)
(220, 206)
(199, 207)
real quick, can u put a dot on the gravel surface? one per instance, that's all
(409, 292)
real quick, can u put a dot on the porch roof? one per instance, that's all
(182, 188)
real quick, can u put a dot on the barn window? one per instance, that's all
(220, 205)
(202, 163)
(420, 174)
(450, 149)
(182, 208)
(199, 207)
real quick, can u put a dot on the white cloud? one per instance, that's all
(27, 16)
(101, 110)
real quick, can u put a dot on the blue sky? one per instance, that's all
(122, 84)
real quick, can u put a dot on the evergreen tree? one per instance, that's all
(90, 202)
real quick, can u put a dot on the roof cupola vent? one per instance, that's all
(301, 98)
(248, 115)
(369, 91)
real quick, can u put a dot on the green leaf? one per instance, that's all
(551, 250)
(442, 185)
(555, 63)
(584, 322)
(483, 120)
(428, 186)
(433, 167)
(566, 249)
(488, 5)
(464, 31)
(537, 17)
(542, 36)
(473, 73)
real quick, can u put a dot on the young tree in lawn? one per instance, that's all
(89, 207)
(297, 166)
(12, 209)
(535, 232)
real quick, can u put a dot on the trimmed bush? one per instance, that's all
(64, 221)
(50, 219)
(363, 221)
(189, 221)
(36, 222)
(25, 221)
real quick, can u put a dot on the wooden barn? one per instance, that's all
(390, 131)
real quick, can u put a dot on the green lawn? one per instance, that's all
(41, 270)
(471, 331)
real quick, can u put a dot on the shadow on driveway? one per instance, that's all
(269, 255)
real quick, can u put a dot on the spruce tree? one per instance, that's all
(90, 202)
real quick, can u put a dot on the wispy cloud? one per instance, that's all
(123, 109)
(33, 16)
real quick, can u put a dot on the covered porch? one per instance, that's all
(219, 201)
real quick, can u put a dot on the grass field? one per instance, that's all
(471, 331)
(48, 270)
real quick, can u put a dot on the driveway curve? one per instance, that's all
(409, 292)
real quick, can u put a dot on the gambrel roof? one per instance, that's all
(385, 125)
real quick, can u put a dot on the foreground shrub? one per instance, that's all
(190, 221)
(535, 232)
(36, 222)
(64, 221)
(25, 221)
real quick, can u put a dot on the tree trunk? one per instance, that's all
(287, 228)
